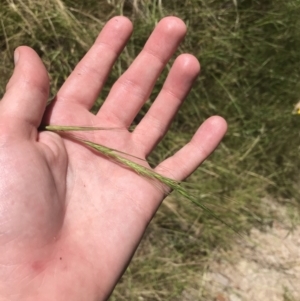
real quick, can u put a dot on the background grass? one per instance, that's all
(249, 53)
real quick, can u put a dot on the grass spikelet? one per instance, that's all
(141, 170)
(67, 128)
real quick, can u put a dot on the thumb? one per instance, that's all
(24, 101)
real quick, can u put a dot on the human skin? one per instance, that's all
(71, 219)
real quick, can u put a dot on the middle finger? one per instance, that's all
(133, 88)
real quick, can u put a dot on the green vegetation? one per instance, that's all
(249, 53)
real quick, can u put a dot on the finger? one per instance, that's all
(134, 87)
(26, 93)
(85, 82)
(203, 143)
(155, 124)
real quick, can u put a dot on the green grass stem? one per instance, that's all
(141, 170)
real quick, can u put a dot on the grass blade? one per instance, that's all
(117, 156)
(66, 128)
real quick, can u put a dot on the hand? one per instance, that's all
(71, 219)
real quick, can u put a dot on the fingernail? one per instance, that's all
(16, 56)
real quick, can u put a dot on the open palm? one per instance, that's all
(70, 218)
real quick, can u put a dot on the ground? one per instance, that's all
(263, 267)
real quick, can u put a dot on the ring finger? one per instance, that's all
(154, 125)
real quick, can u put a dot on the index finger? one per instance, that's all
(86, 81)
